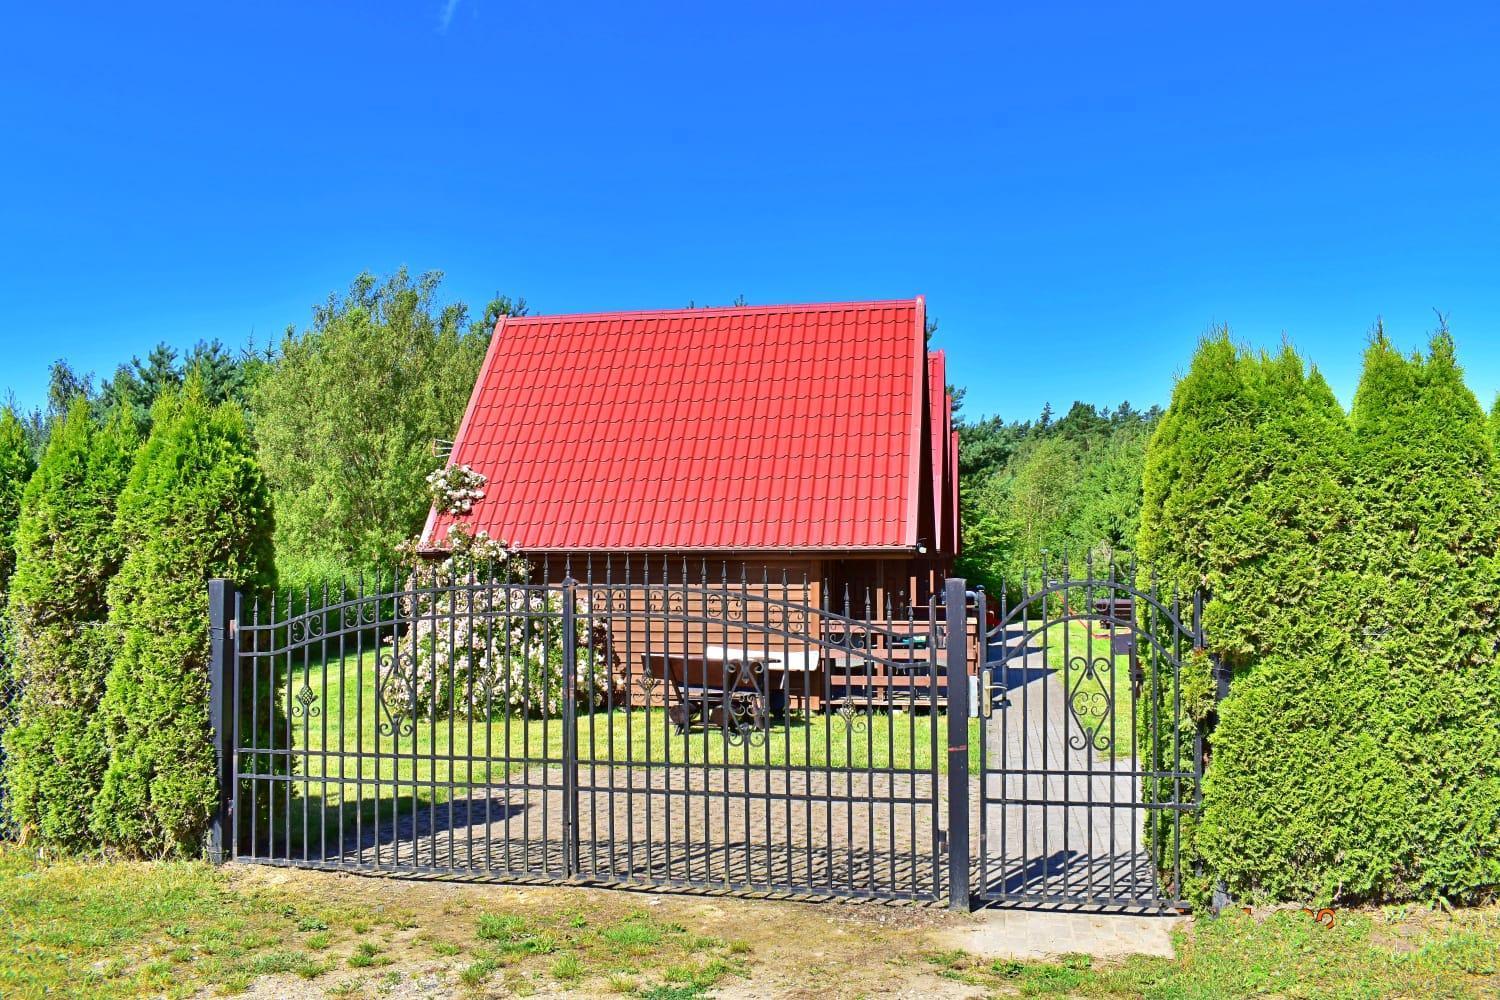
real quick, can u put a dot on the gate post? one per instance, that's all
(955, 600)
(221, 661)
(570, 725)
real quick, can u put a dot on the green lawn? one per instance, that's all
(1392, 952)
(343, 717)
(75, 928)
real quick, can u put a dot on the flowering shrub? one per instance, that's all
(455, 488)
(483, 641)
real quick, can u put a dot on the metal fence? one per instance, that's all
(1093, 754)
(663, 727)
(660, 724)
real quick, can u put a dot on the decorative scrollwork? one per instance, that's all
(303, 705)
(358, 615)
(1090, 702)
(648, 685)
(396, 685)
(305, 628)
(854, 720)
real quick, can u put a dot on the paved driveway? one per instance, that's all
(1063, 818)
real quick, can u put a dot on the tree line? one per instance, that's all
(1050, 489)
(271, 465)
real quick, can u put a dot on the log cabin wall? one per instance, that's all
(695, 607)
(700, 609)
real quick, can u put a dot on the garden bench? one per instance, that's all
(704, 688)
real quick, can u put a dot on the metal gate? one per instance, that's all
(644, 724)
(1093, 743)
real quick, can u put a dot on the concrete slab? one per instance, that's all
(1038, 934)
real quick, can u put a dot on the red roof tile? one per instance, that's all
(762, 428)
(937, 426)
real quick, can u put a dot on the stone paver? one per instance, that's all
(1039, 934)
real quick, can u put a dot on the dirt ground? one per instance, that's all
(793, 949)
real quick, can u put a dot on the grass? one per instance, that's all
(181, 929)
(118, 930)
(1370, 953)
(344, 716)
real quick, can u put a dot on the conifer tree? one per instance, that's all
(195, 507)
(1244, 498)
(67, 549)
(1429, 690)
(16, 468)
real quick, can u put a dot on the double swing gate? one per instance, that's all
(673, 727)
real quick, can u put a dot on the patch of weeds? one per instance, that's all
(445, 949)
(478, 971)
(947, 959)
(1007, 968)
(699, 977)
(1051, 978)
(276, 962)
(364, 955)
(318, 941)
(567, 968)
(674, 993)
(635, 933)
(311, 924)
(499, 926)
(235, 982)
(514, 935)
(739, 948)
(348, 988)
(312, 970)
(360, 927)
(619, 983)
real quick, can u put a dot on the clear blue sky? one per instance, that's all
(1079, 191)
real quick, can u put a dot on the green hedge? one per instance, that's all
(1243, 497)
(1427, 533)
(16, 468)
(196, 507)
(67, 549)
(1352, 594)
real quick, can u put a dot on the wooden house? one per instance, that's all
(807, 448)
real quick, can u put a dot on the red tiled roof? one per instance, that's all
(954, 537)
(937, 426)
(762, 428)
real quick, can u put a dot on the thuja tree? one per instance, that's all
(67, 549)
(16, 467)
(1427, 690)
(195, 507)
(1244, 499)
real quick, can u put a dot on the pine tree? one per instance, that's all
(196, 507)
(67, 549)
(1429, 687)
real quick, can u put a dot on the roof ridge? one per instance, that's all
(717, 310)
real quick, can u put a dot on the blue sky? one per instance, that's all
(1078, 190)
